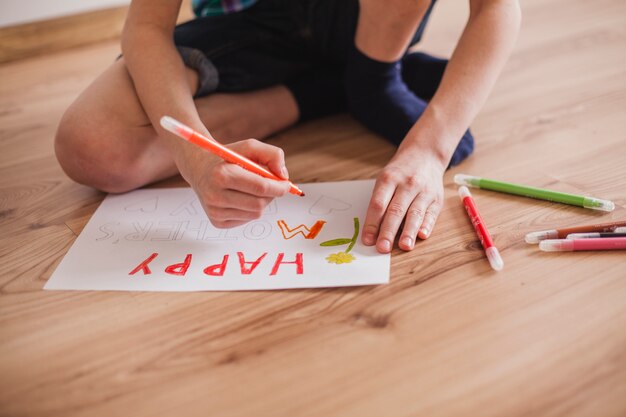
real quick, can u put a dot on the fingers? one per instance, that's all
(414, 218)
(394, 215)
(420, 220)
(397, 198)
(227, 217)
(231, 195)
(240, 201)
(230, 207)
(223, 206)
(381, 196)
(265, 154)
(429, 220)
(228, 224)
(233, 177)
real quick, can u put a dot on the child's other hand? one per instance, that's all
(230, 195)
(409, 188)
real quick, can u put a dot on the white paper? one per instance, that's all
(127, 230)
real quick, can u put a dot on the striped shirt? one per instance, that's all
(219, 7)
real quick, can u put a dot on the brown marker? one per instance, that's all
(536, 237)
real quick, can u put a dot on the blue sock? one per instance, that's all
(379, 98)
(422, 73)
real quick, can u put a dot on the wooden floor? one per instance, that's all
(447, 336)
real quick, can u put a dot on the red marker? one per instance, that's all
(495, 260)
(605, 243)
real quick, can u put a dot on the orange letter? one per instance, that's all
(242, 262)
(311, 233)
(279, 261)
(181, 268)
(217, 270)
(144, 266)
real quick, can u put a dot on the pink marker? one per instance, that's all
(561, 245)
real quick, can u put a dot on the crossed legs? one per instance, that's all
(105, 139)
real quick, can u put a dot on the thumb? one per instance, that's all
(271, 156)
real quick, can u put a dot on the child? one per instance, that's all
(250, 68)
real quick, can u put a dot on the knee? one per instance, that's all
(84, 155)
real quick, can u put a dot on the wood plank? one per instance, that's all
(29, 39)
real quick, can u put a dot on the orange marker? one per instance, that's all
(222, 151)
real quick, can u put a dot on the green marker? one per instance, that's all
(517, 189)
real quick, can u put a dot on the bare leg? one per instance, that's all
(106, 141)
(385, 28)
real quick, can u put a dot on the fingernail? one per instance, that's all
(385, 245)
(425, 232)
(284, 172)
(408, 242)
(368, 239)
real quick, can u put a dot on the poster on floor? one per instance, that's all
(161, 240)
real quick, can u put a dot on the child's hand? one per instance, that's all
(409, 188)
(230, 195)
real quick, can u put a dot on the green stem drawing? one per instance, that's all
(355, 235)
(343, 257)
(345, 240)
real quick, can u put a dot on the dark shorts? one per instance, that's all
(301, 44)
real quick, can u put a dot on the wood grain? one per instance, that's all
(447, 336)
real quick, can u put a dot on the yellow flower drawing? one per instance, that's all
(340, 258)
(343, 257)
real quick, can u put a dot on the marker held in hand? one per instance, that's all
(210, 144)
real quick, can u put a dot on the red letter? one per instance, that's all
(144, 266)
(279, 261)
(181, 268)
(217, 270)
(242, 262)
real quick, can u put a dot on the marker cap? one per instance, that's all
(495, 260)
(598, 204)
(536, 237)
(173, 125)
(464, 192)
(556, 245)
(467, 180)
